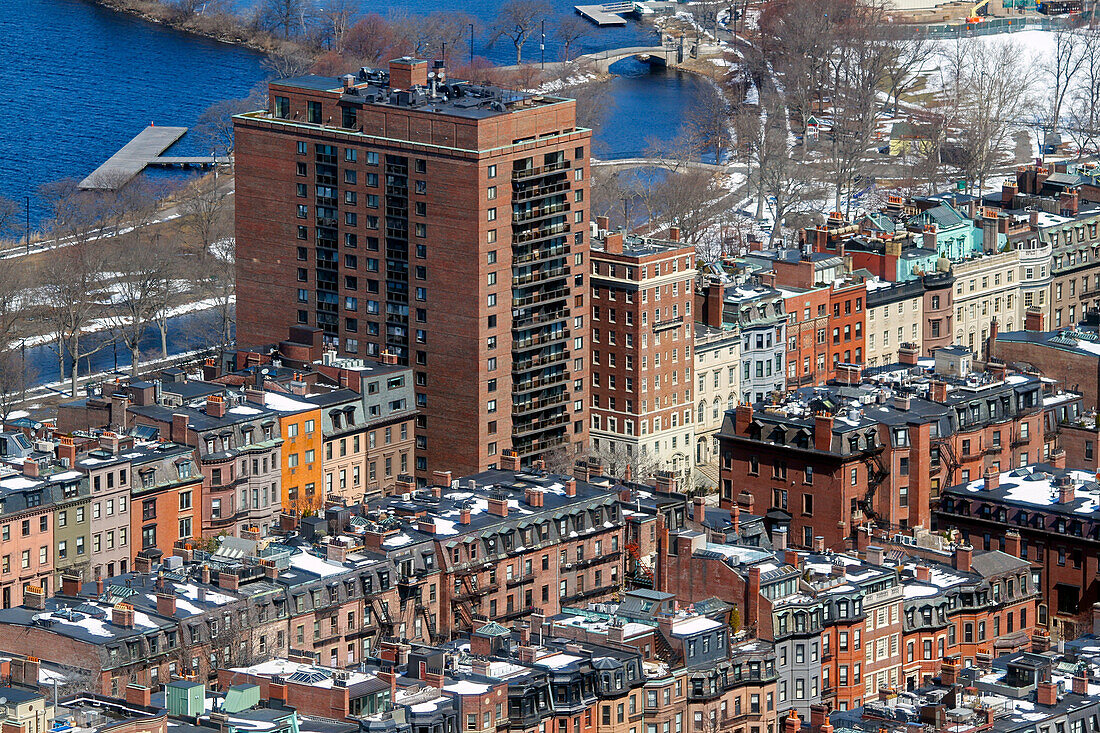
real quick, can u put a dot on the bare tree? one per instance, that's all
(14, 324)
(1071, 53)
(206, 210)
(291, 17)
(615, 456)
(141, 263)
(72, 288)
(778, 179)
(925, 156)
(1083, 112)
(518, 20)
(705, 13)
(907, 56)
(217, 281)
(285, 63)
(993, 88)
(334, 18)
(429, 36)
(9, 218)
(370, 41)
(857, 69)
(685, 198)
(570, 29)
(215, 125)
(707, 123)
(797, 39)
(593, 101)
(611, 192)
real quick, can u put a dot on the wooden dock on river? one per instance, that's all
(143, 151)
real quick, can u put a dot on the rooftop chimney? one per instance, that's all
(406, 73)
(992, 478)
(122, 615)
(938, 392)
(1046, 694)
(1066, 493)
(70, 585)
(215, 405)
(823, 432)
(178, 432)
(66, 450)
(1034, 320)
(613, 243)
(699, 506)
(34, 597)
(509, 461)
(138, 695)
(963, 555)
(948, 671)
(742, 417)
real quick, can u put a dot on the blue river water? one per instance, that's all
(188, 332)
(79, 81)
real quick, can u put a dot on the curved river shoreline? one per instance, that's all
(81, 80)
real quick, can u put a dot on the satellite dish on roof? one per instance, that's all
(3, 701)
(431, 74)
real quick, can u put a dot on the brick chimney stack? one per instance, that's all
(613, 243)
(122, 615)
(34, 597)
(949, 671)
(1066, 492)
(1046, 694)
(406, 73)
(963, 556)
(509, 461)
(215, 406)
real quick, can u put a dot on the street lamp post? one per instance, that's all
(542, 46)
(471, 44)
(27, 201)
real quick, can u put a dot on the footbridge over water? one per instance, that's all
(601, 61)
(669, 164)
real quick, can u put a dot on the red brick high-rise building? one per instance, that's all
(441, 221)
(642, 366)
